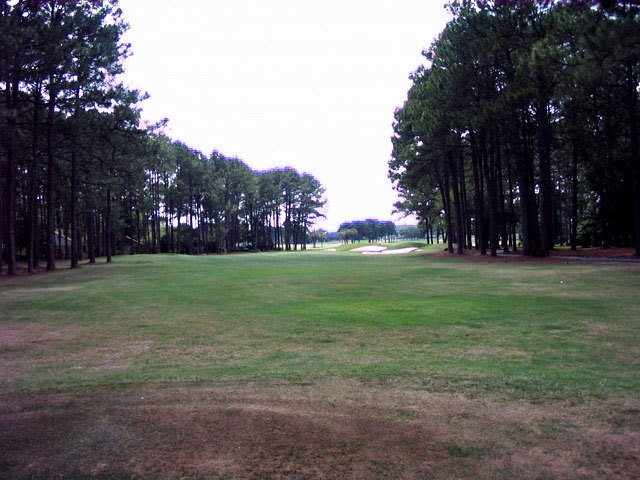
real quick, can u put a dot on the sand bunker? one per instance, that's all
(380, 250)
(392, 252)
(331, 250)
(369, 249)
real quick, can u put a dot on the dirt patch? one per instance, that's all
(32, 341)
(22, 292)
(604, 328)
(44, 348)
(337, 430)
(15, 335)
(477, 352)
(595, 252)
(23, 271)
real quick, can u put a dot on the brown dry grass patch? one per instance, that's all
(26, 292)
(332, 430)
(477, 352)
(14, 335)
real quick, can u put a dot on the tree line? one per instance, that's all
(81, 176)
(522, 130)
(370, 229)
(217, 204)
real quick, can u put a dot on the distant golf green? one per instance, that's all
(536, 332)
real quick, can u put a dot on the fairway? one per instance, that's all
(334, 364)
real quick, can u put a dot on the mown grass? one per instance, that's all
(537, 332)
(411, 244)
(345, 247)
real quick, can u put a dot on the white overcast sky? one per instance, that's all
(310, 84)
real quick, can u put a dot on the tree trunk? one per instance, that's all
(65, 234)
(465, 202)
(457, 203)
(190, 225)
(74, 183)
(138, 227)
(51, 219)
(530, 239)
(11, 173)
(546, 185)
(444, 192)
(154, 235)
(490, 180)
(91, 235)
(198, 231)
(255, 236)
(574, 195)
(501, 213)
(632, 100)
(74, 206)
(36, 246)
(79, 244)
(157, 215)
(512, 209)
(10, 198)
(107, 226)
(2, 227)
(33, 185)
(167, 227)
(477, 194)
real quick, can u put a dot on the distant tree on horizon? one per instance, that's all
(318, 236)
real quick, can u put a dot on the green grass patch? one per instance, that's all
(536, 332)
(350, 246)
(410, 244)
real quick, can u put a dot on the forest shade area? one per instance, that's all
(521, 132)
(82, 176)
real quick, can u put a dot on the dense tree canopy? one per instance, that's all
(81, 176)
(524, 125)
